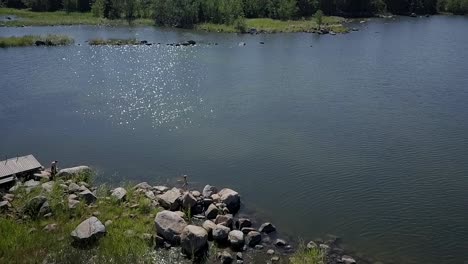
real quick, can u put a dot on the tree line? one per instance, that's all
(185, 13)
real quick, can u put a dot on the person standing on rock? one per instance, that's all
(185, 185)
(53, 169)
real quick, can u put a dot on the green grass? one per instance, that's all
(30, 40)
(303, 255)
(55, 247)
(118, 42)
(276, 26)
(29, 18)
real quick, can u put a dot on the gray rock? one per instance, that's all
(90, 230)
(211, 212)
(209, 190)
(87, 196)
(259, 247)
(188, 201)
(348, 260)
(8, 197)
(143, 186)
(169, 225)
(33, 206)
(45, 209)
(209, 226)
(50, 227)
(120, 194)
(72, 204)
(243, 222)
(73, 188)
(225, 257)
(236, 239)
(253, 238)
(275, 259)
(161, 189)
(4, 205)
(239, 256)
(311, 245)
(267, 228)
(270, 252)
(72, 197)
(48, 186)
(170, 200)
(280, 242)
(74, 171)
(193, 239)
(31, 183)
(231, 198)
(246, 230)
(196, 194)
(108, 223)
(225, 220)
(220, 234)
(150, 195)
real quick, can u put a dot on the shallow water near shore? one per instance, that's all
(363, 135)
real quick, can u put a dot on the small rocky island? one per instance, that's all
(142, 223)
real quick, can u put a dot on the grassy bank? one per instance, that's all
(29, 18)
(268, 25)
(26, 240)
(31, 40)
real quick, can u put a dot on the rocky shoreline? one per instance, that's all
(202, 226)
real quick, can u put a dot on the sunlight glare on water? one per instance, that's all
(157, 85)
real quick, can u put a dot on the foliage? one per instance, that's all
(30, 40)
(308, 256)
(319, 18)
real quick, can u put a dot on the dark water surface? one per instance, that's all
(363, 135)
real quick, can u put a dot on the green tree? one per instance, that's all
(318, 18)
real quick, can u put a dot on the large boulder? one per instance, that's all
(170, 200)
(87, 196)
(169, 225)
(220, 234)
(120, 194)
(253, 238)
(88, 231)
(193, 240)
(231, 198)
(74, 171)
(211, 212)
(236, 239)
(209, 190)
(34, 205)
(188, 201)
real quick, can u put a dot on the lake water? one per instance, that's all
(363, 135)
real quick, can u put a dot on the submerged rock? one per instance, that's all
(169, 225)
(267, 228)
(90, 230)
